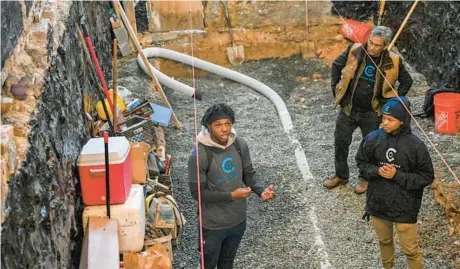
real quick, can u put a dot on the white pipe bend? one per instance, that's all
(283, 113)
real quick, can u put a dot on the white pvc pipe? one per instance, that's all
(216, 69)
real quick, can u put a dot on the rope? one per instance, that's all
(406, 108)
(200, 219)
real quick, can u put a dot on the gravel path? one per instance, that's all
(306, 226)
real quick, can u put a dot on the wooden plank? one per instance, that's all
(138, 47)
(100, 245)
(131, 14)
(115, 84)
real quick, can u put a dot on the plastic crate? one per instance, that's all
(138, 129)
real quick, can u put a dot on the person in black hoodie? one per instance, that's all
(398, 167)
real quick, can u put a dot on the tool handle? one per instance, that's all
(229, 24)
(107, 176)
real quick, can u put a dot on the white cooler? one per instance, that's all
(130, 217)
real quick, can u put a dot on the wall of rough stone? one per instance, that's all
(42, 228)
(430, 42)
(11, 27)
(357, 10)
(431, 39)
(266, 29)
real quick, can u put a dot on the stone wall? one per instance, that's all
(11, 27)
(431, 39)
(42, 227)
(356, 10)
(266, 29)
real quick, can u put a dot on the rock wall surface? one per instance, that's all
(42, 228)
(11, 15)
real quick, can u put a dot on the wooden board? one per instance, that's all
(100, 245)
(131, 14)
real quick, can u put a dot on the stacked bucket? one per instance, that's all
(447, 112)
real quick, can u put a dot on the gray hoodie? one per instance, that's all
(227, 172)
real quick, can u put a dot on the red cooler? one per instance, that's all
(91, 166)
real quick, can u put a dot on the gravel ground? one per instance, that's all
(306, 226)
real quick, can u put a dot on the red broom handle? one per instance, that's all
(98, 67)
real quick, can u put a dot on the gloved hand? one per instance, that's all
(366, 216)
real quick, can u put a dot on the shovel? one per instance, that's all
(235, 53)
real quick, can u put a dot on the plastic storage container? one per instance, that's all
(130, 217)
(91, 166)
(138, 129)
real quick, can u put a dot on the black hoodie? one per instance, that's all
(397, 199)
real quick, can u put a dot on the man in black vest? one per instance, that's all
(362, 78)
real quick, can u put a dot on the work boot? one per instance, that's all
(331, 183)
(362, 186)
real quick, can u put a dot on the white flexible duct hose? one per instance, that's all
(216, 69)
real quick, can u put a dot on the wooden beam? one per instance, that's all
(131, 14)
(115, 84)
(138, 47)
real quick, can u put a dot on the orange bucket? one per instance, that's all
(356, 31)
(447, 112)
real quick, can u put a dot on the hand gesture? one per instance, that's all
(241, 193)
(387, 171)
(268, 193)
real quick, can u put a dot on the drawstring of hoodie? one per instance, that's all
(451, 171)
(200, 218)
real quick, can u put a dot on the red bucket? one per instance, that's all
(356, 31)
(447, 112)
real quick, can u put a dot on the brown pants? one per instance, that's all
(408, 239)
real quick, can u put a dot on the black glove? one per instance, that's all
(366, 216)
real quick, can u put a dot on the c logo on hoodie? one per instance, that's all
(227, 165)
(390, 154)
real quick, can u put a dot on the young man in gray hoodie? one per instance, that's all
(226, 178)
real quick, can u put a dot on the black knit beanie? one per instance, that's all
(217, 112)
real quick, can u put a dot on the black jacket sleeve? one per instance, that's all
(422, 175)
(405, 80)
(337, 66)
(206, 194)
(364, 158)
(249, 173)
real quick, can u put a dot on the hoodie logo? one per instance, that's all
(390, 154)
(386, 109)
(227, 165)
